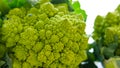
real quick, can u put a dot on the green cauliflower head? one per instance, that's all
(45, 37)
(107, 31)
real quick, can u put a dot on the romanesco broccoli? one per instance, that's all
(107, 33)
(45, 36)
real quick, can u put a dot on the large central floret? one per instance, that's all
(45, 37)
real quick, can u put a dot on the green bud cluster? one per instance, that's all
(107, 30)
(45, 37)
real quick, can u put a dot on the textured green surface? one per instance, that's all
(45, 36)
(107, 30)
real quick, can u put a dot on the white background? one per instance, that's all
(94, 8)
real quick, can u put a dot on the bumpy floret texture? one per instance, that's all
(45, 37)
(107, 30)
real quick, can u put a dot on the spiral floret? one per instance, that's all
(45, 37)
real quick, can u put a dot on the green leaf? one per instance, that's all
(76, 4)
(1, 63)
(11, 3)
(78, 10)
(2, 50)
(4, 7)
(8, 60)
(0, 22)
(59, 1)
(16, 3)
